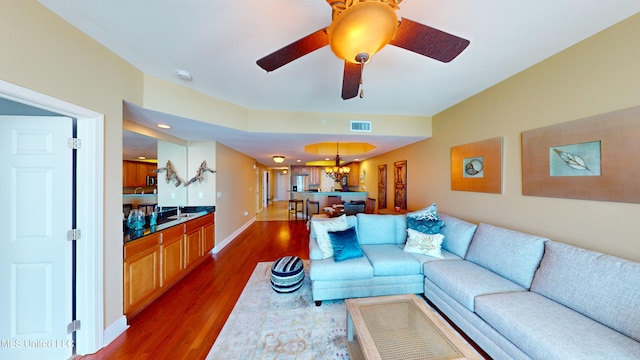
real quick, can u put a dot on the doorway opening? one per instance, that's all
(89, 205)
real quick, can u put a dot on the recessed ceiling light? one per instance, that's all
(141, 157)
(298, 160)
(163, 126)
(184, 75)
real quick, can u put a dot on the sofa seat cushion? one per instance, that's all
(381, 229)
(446, 255)
(512, 254)
(391, 260)
(545, 329)
(603, 287)
(464, 280)
(457, 234)
(351, 269)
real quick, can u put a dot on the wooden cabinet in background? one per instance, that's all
(134, 173)
(354, 175)
(141, 272)
(129, 174)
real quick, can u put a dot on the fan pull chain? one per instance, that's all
(362, 60)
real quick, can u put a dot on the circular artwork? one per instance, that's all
(474, 167)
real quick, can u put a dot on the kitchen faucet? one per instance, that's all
(136, 190)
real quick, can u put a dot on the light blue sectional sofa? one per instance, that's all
(516, 295)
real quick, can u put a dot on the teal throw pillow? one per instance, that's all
(426, 221)
(425, 226)
(345, 244)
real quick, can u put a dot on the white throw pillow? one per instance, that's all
(322, 228)
(427, 244)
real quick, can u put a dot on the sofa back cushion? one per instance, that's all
(457, 234)
(603, 287)
(376, 229)
(509, 253)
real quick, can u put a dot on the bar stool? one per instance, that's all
(293, 208)
(334, 200)
(147, 208)
(316, 204)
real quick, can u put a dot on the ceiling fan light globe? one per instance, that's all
(363, 28)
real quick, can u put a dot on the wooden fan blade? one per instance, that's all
(351, 80)
(295, 50)
(428, 41)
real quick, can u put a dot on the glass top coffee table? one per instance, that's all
(401, 327)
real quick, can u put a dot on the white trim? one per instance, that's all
(90, 211)
(114, 330)
(219, 246)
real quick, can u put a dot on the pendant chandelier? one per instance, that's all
(337, 172)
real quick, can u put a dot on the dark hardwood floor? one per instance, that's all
(185, 321)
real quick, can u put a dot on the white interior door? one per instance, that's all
(281, 186)
(35, 257)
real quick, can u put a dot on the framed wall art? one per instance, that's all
(477, 166)
(593, 158)
(382, 186)
(400, 184)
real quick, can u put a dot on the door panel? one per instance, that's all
(35, 261)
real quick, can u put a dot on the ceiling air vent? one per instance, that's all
(362, 126)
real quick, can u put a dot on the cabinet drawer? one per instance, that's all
(195, 224)
(138, 246)
(172, 234)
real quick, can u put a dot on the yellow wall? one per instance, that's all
(43, 53)
(236, 183)
(598, 75)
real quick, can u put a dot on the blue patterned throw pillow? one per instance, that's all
(425, 226)
(428, 213)
(426, 221)
(345, 244)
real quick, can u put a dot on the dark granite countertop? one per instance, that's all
(166, 219)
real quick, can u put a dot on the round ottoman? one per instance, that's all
(287, 274)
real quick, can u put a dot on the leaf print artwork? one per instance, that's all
(581, 159)
(572, 160)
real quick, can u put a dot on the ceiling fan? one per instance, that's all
(358, 30)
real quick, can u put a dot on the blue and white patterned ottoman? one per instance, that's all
(287, 274)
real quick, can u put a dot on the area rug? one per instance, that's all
(268, 325)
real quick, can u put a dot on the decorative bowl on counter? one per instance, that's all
(136, 220)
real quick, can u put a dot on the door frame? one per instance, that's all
(90, 211)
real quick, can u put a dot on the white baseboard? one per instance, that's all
(114, 330)
(219, 246)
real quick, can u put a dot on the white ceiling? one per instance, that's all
(218, 42)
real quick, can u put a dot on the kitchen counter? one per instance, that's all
(321, 196)
(163, 223)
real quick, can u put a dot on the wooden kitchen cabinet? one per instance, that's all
(155, 262)
(195, 239)
(354, 175)
(193, 248)
(141, 272)
(134, 173)
(172, 252)
(209, 237)
(129, 174)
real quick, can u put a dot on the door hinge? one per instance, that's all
(73, 234)
(73, 143)
(73, 326)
